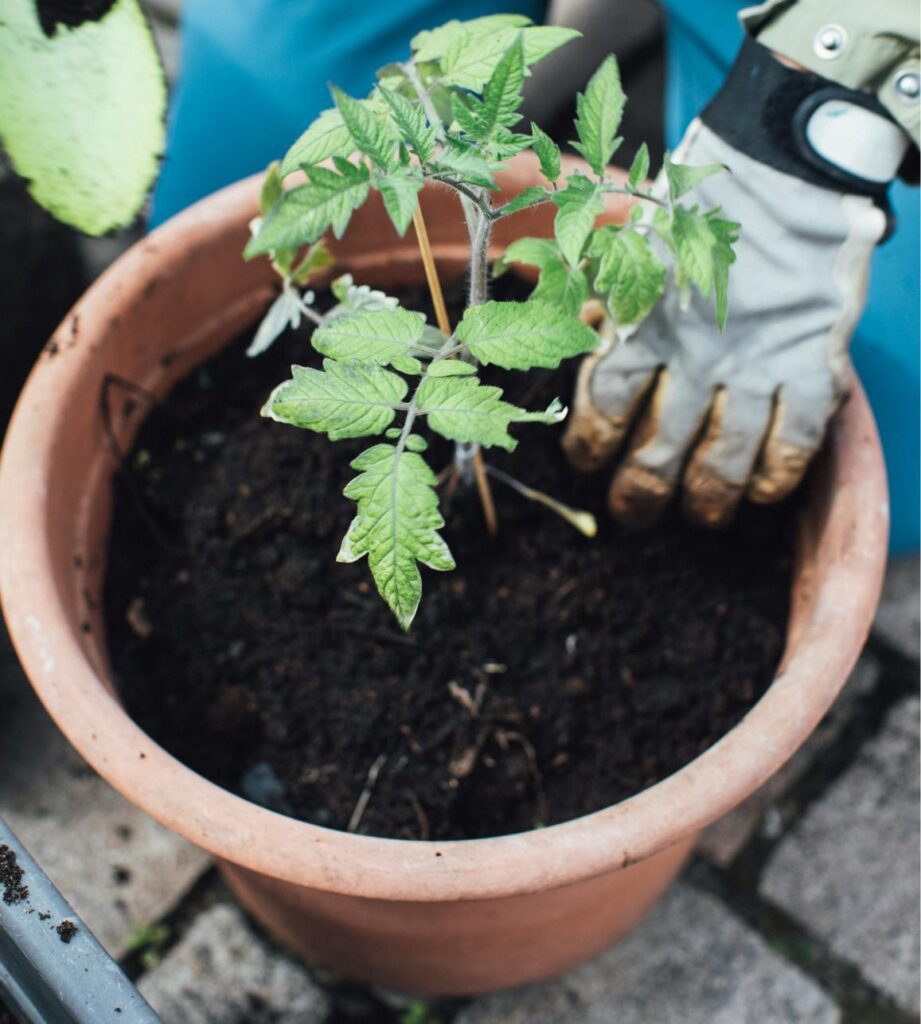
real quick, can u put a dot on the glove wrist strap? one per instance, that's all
(804, 125)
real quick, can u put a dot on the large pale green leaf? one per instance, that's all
(522, 335)
(433, 43)
(342, 400)
(470, 58)
(81, 110)
(629, 271)
(306, 211)
(600, 109)
(460, 408)
(396, 526)
(578, 205)
(377, 336)
(326, 137)
(559, 283)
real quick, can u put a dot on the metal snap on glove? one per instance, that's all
(722, 416)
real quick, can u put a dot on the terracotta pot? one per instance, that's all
(456, 917)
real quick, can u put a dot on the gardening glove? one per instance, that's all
(724, 415)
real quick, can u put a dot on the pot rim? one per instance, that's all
(816, 665)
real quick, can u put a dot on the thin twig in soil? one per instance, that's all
(421, 817)
(363, 800)
(463, 697)
(503, 737)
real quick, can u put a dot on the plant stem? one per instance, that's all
(479, 255)
(444, 325)
(412, 73)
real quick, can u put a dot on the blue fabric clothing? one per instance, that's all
(255, 74)
(702, 40)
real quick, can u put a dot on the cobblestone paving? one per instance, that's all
(800, 906)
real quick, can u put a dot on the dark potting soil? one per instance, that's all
(11, 877)
(548, 677)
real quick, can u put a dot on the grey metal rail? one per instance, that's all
(50, 972)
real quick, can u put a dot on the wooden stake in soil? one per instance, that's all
(444, 325)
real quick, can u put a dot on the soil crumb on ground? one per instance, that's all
(11, 875)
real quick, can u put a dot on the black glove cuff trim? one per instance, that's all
(762, 111)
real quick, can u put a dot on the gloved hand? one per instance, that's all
(741, 413)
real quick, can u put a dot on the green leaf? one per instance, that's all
(501, 98)
(396, 526)
(629, 271)
(600, 110)
(694, 242)
(463, 161)
(471, 56)
(542, 40)
(682, 179)
(354, 298)
(522, 335)
(400, 189)
(305, 212)
(548, 153)
(377, 336)
(341, 400)
(272, 189)
(505, 144)
(462, 409)
(726, 234)
(639, 169)
(284, 312)
(317, 257)
(325, 138)
(434, 43)
(451, 368)
(81, 110)
(559, 283)
(703, 245)
(410, 119)
(372, 133)
(577, 207)
(531, 196)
